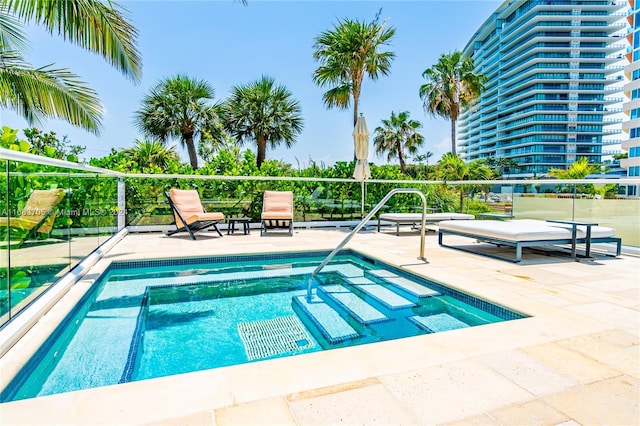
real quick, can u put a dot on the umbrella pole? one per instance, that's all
(362, 188)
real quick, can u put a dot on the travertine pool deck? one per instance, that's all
(576, 360)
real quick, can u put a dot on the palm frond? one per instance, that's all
(47, 92)
(91, 24)
(12, 34)
(339, 96)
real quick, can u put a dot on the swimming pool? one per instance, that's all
(146, 319)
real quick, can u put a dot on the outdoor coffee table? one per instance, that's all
(231, 228)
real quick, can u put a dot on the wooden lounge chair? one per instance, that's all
(189, 214)
(36, 218)
(522, 233)
(277, 211)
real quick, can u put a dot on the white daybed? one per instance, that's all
(521, 233)
(415, 219)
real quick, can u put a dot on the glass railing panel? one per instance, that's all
(596, 203)
(4, 249)
(318, 200)
(542, 201)
(620, 214)
(85, 214)
(439, 198)
(54, 214)
(315, 200)
(109, 211)
(38, 204)
(329, 201)
(146, 203)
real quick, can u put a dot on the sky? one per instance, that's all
(227, 43)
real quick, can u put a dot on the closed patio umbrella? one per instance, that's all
(361, 144)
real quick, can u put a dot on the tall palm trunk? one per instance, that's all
(262, 150)
(355, 113)
(401, 159)
(191, 148)
(453, 136)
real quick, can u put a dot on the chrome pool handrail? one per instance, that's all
(364, 221)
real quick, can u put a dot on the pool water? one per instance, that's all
(148, 319)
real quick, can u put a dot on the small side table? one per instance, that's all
(231, 227)
(574, 235)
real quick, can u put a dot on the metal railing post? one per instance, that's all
(122, 204)
(364, 221)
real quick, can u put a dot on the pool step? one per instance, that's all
(327, 320)
(437, 323)
(407, 285)
(346, 270)
(363, 312)
(382, 294)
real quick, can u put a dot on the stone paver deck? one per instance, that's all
(576, 360)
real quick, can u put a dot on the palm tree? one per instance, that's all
(263, 113)
(149, 153)
(452, 167)
(505, 165)
(178, 107)
(397, 135)
(451, 86)
(346, 54)
(580, 169)
(50, 92)
(423, 157)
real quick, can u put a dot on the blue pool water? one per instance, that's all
(147, 319)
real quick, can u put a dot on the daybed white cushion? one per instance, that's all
(522, 229)
(508, 230)
(429, 217)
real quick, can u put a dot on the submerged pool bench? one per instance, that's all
(415, 218)
(521, 233)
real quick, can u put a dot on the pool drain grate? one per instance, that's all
(276, 336)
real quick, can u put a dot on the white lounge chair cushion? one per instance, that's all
(429, 217)
(521, 229)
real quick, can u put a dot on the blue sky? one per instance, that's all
(228, 44)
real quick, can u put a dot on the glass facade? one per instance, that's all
(554, 84)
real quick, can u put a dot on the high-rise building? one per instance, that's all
(632, 108)
(555, 76)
